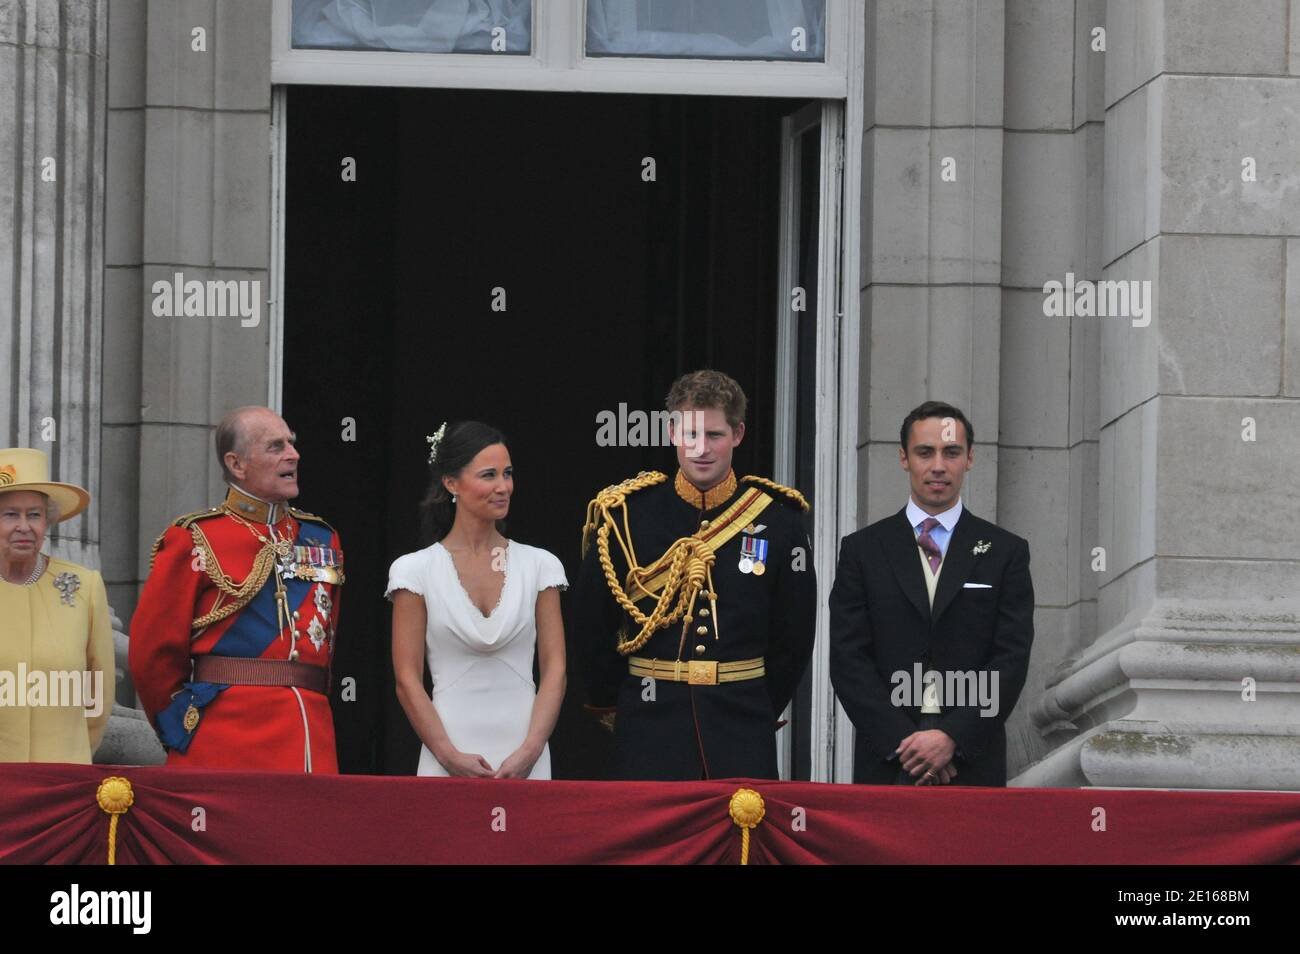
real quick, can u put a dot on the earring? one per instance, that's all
(453, 498)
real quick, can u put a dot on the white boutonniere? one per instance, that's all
(982, 547)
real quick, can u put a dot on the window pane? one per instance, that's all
(414, 26)
(708, 29)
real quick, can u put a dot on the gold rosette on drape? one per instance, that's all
(115, 797)
(746, 811)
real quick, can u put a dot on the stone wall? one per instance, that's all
(1193, 678)
(1163, 576)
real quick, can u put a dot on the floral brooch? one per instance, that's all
(67, 584)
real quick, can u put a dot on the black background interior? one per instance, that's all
(614, 286)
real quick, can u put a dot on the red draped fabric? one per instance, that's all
(48, 814)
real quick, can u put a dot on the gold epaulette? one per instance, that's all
(184, 521)
(789, 492)
(304, 515)
(613, 496)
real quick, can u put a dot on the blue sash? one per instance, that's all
(254, 628)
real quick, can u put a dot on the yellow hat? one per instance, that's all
(22, 468)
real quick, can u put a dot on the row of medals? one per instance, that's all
(286, 564)
(749, 564)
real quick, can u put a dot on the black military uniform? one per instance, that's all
(725, 598)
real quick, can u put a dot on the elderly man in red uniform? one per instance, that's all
(232, 639)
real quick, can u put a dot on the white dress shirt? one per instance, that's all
(940, 534)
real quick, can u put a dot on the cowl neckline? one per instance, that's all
(467, 621)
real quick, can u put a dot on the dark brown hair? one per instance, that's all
(934, 409)
(706, 389)
(460, 444)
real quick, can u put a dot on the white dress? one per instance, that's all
(482, 667)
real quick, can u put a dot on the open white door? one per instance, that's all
(809, 309)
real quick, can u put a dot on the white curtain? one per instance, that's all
(413, 26)
(719, 29)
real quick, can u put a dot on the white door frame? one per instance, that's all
(835, 402)
(784, 465)
(792, 126)
(838, 319)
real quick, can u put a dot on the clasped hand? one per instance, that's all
(471, 765)
(927, 757)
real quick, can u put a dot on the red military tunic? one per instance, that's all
(205, 565)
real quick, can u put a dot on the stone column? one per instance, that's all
(189, 192)
(1048, 429)
(1195, 679)
(206, 128)
(123, 293)
(52, 90)
(932, 233)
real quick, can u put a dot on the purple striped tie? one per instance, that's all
(927, 544)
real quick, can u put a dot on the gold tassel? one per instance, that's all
(746, 811)
(114, 796)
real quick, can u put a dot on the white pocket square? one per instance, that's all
(977, 586)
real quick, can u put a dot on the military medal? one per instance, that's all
(191, 718)
(753, 556)
(313, 563)
(317, 633)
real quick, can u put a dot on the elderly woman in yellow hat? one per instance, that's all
(57, 674)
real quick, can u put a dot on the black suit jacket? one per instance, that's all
(881, 624)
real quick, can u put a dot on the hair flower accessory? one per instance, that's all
(434, 440)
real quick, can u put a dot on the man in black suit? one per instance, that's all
(932, 617)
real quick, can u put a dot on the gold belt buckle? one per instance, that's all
(702, 672)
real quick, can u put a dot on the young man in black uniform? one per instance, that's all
(696, 601)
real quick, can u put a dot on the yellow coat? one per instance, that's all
(52, 632)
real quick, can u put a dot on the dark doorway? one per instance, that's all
(613, 286)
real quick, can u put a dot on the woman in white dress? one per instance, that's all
(474, 606)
